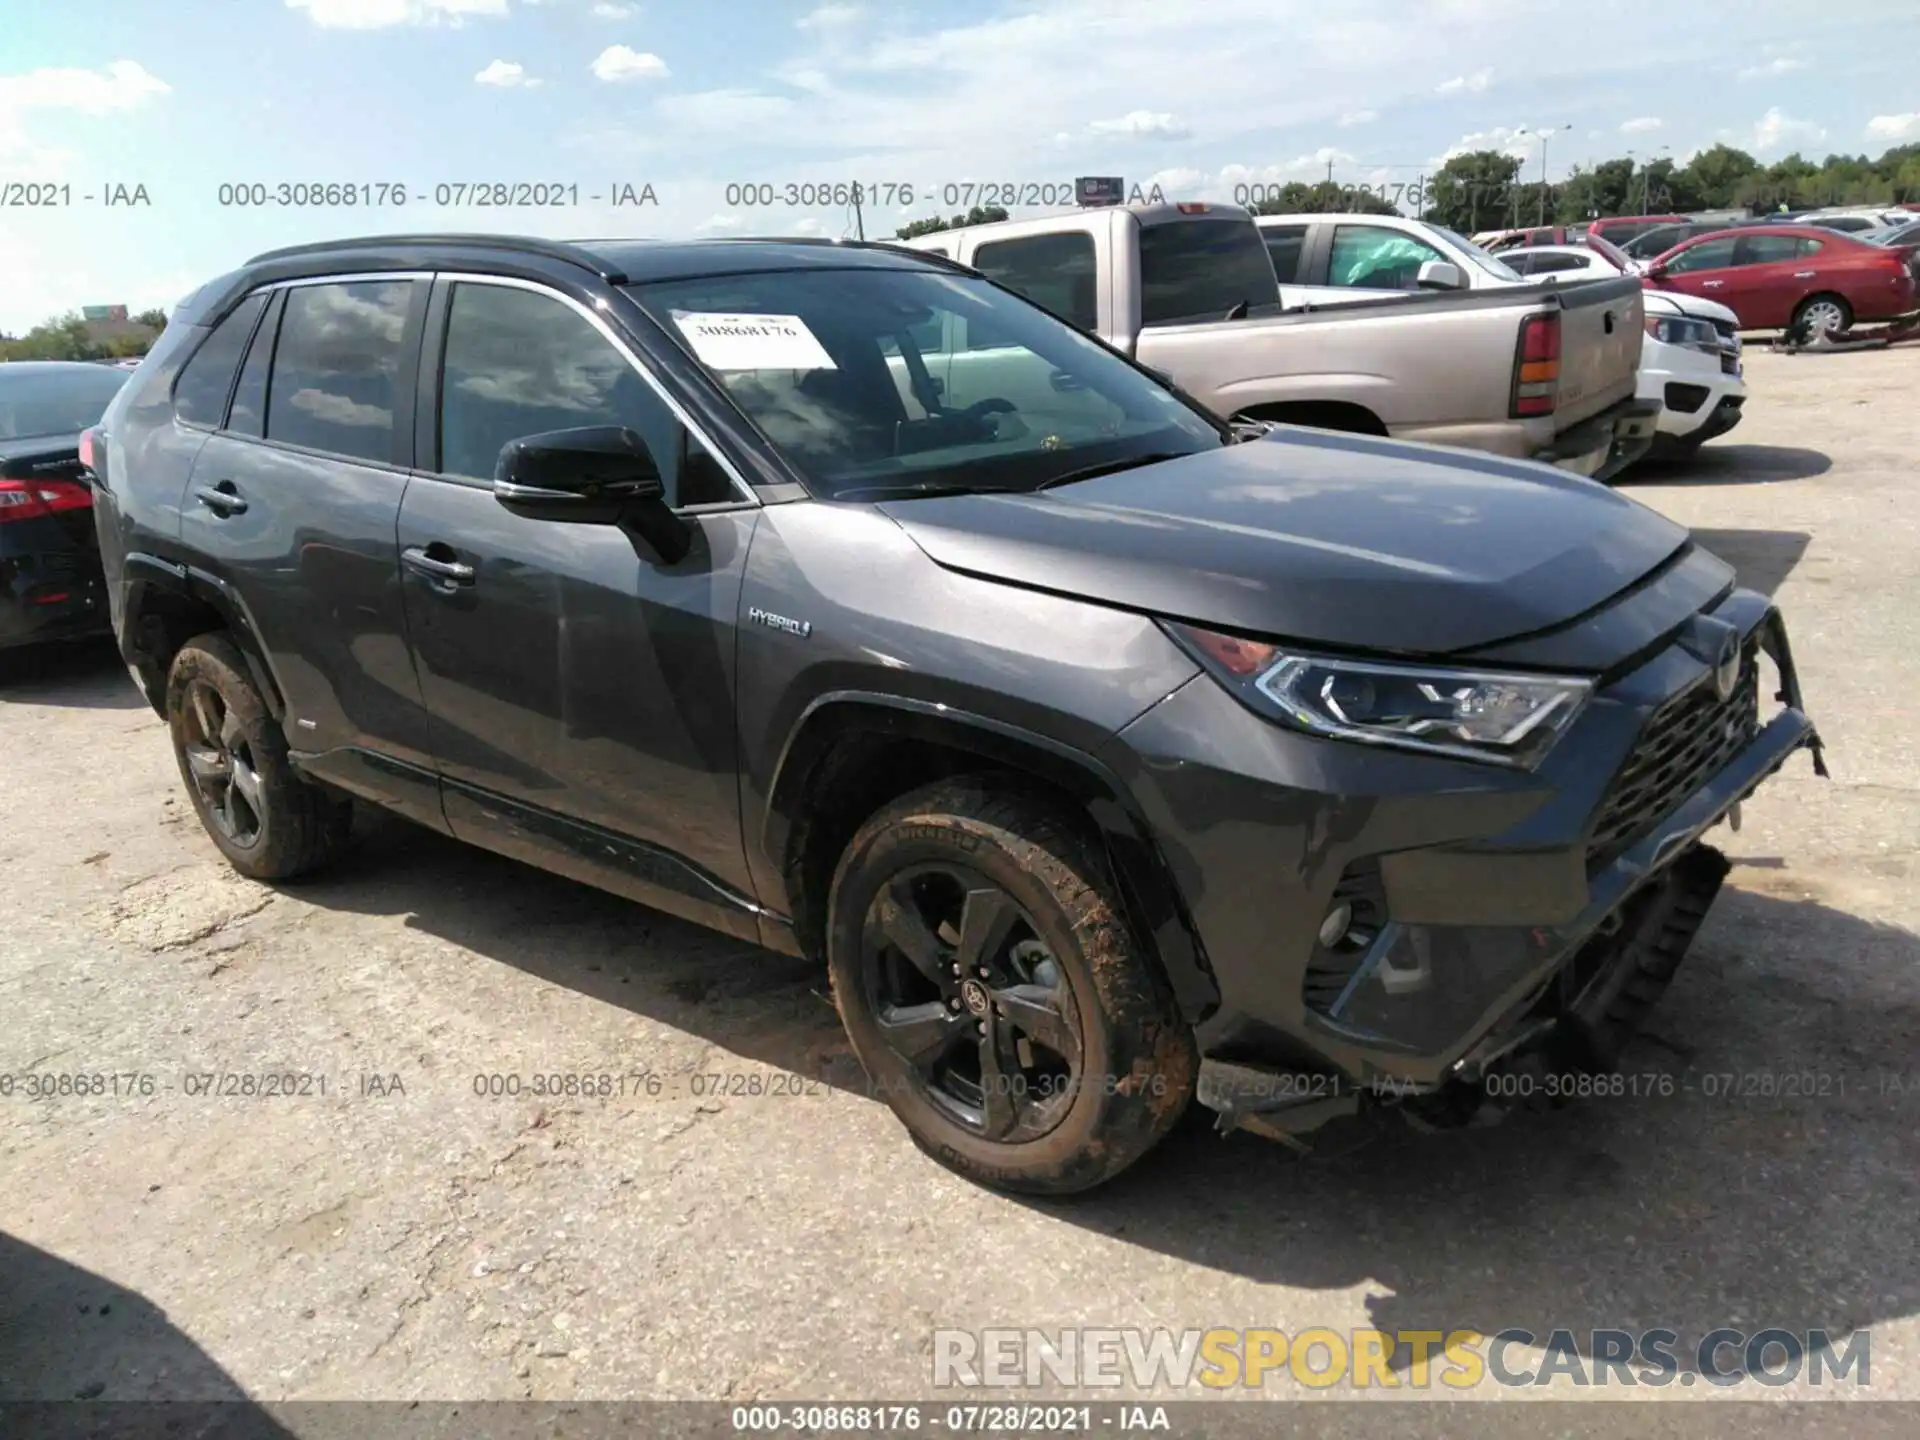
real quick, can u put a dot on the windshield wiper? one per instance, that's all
(927, 491)
(1112, 467)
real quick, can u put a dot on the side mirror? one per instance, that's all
(591, 475)
(1440, 275)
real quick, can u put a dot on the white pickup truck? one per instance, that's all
(1188, 290)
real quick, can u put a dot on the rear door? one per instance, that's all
(1770, 274)
(292, 507)
(580, 690)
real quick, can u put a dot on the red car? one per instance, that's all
(1619, 229)
(1772, 276)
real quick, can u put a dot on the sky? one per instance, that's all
(189, 107)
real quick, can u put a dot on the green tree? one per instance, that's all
(1713, 179)
(154, 320)
(978, 215)
(1609, 188)
(1474, 191)
(1325, 197)
(64, 337)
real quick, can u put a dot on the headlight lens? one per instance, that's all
(1497, 717)
(1681, 330)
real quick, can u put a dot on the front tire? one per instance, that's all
(995, 994)
(269, 822)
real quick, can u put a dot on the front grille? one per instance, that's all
(1729, 332)
(1331, 968)
(1729, 363)
(1685, 743)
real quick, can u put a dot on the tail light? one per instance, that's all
(1192, 207)
(1536, 368)
(37, 499)
(92, 451)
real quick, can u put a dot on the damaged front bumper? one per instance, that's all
(1544, 942)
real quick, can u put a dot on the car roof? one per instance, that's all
(1551, 250)
(1357, 217)
(625, 261)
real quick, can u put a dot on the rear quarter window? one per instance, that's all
(200, 395)
(1201, 269)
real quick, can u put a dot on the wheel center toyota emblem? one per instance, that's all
(974, 995)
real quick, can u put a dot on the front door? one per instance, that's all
(580, 691)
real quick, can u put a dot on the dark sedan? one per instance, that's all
(51, 587)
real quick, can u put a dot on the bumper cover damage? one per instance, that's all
(1464, 1004)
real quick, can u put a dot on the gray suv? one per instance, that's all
(1107, 754)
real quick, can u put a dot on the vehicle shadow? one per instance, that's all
(1761, 559)
(1702, 1207)
(80, 674)
(1715, 1205)
(761, 1005)
(1722, 464)
(68, 1335)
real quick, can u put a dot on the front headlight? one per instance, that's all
(1497, 717)
(1684, 331)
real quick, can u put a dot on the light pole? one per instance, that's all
(1646, 177)
(1543, 136)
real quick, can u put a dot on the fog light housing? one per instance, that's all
(1334, 928)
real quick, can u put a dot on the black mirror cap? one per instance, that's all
(590, 474)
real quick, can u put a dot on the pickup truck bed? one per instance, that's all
(1443, 367)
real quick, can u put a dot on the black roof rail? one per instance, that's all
(525, 244)
(930, 256)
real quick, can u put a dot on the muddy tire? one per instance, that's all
(995, 994)
(269, 822)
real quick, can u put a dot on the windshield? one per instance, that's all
(55, 402)
(1493, 265)
(872, 381)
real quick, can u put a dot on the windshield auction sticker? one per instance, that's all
(752, 342)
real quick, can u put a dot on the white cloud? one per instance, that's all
(1777, 130)
(608, 11)
(1141, 122)
(720, 224)
(1895, 127)
(382, 14)
(507, 74)
(618, 63)
(808, 225)
(1641, 125)
(1358, 117)
(827, 17)
(1459, 84)
(1778, 65)
(1518, 142)
(119, 86)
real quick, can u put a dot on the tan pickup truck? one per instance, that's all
(1531, 372)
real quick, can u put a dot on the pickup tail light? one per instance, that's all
(92, 452)
(1536, 368)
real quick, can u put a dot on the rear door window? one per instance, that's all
(1058, 272)
(200, 394)
(336, 367)
(1765, 249)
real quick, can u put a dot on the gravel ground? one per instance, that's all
(400, 1236)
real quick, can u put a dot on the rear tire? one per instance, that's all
(269, 822)
(1828, 314)
(985, 922)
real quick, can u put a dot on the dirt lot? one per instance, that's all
(401, 1236)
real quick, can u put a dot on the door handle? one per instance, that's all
(447, 572)
(1803, 274)
(222, 499)
(1711, 284)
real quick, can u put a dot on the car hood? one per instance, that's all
(1337, 540)
(1681, 303)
